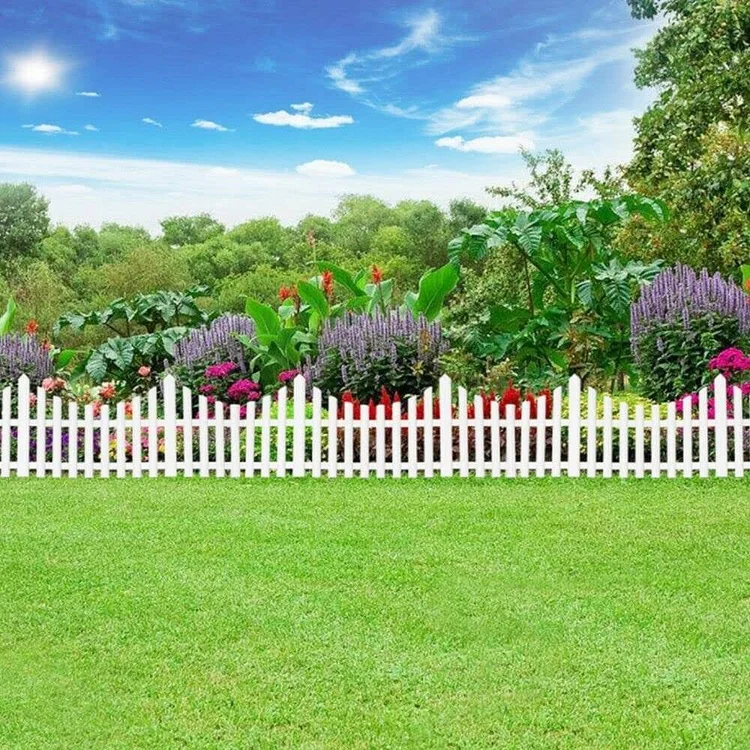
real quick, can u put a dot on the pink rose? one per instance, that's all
(144, 371)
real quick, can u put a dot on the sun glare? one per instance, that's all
(35, 72)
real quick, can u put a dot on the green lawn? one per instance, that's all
(431, 613)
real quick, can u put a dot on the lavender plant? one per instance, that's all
(362, 354)
(24, 355)
(212, 344)
(679, 323)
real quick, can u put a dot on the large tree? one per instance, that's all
(692, 147)
(24, 222)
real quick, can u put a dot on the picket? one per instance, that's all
(427, 435)
(738, 432)
(624, 443)
(22, 432)
(72, 439)
(5, 433)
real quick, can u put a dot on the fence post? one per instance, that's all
(298, 428)
(446, 427)
(739, 447)
(5, 435)
(23, 427)
(720, 426)
(170, 427)
(574, 426)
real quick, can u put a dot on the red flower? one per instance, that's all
(327, 284)
(747, 285)
(288, 292)
(376, 275)
(31, 328)
(107, 390)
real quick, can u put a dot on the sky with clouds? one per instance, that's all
(131, 110)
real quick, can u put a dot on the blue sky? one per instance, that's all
(130, 110)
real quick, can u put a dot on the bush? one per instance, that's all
(679, 323)
(363, 354)
(209, 345)
(24, 355)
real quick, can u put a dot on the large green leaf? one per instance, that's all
(267, 325)
(96, 366)
(434, 287)
(8, 317)
(313, 296)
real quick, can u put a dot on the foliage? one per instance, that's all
(24, 355)
(8, 317)
(692, 146)
(190, 230)
(152, 312)
(133, 362)
(23, 222)
(574, 316)
(364, 353)
(679, 323)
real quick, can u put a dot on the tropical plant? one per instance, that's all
(574, 312)
(150, 312)
(680, 322)
(8, 317)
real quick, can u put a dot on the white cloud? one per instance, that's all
(151, 121)
(144, 191)
(544, 81)
(302, 118)
(498, 144)
(325, 168)
(47, 129)
(91, 128)
(71, 189)
(484, 101)
(210, 125)
(89, 94)
(359, 72)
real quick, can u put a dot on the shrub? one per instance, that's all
(24, 355)
(679, 323)
(363, 354)
(210, 345)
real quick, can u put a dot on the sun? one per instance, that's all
(35, 72)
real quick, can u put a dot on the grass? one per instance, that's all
(440, 613)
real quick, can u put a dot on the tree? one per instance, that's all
(190, 230)
(357, 219)
(464, 212)
(691, 146)
(24, 222)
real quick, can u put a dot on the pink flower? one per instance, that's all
(244, 390)
(144, 371)
(107, 390)
(288, 375)
(221, 370)
(48, 384)
(206, 390)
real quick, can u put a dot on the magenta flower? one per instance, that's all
(219, 371)
(244, 390)
(288, 375)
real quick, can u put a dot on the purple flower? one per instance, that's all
(216, 342)
(23, 355)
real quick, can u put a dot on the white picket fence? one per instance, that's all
(164, 434)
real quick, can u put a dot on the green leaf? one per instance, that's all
(64, 358)
(267, 323)
(8, 317)
(96, 366)
(314, 297)
(746, 278)
(434, 287)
